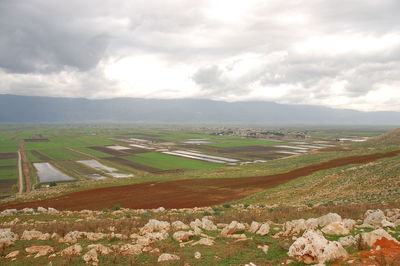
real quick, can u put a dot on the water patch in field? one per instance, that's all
(97, 165)
(95, 177)
(118, 147)
(48, 173)
(101, 167)
(207, 156)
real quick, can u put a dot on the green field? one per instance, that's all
(242, 142)
(32, 158)
(62, 154)
(92, 152)
(169, 162)
(7, 162)
(9, 173)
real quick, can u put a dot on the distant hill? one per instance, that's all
(31, 109)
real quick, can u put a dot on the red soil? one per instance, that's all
(388, 254)
(185, 193)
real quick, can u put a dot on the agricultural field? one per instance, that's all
(137, 152)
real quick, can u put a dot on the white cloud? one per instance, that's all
(342, 54)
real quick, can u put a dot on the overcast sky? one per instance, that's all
(341, 54)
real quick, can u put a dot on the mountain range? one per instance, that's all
(37, 109)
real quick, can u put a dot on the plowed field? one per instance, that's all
(186, 193)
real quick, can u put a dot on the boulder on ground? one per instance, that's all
(103, 250)
(368, 239)
(349, 240)
(7, 237)
(264, 248)
(254, 226)
(207, 224)
(373, 218)
(263, 230)
(197, 255)
(335, 228)
(91, 257)
(74, 250)
(349, 223)
(183, 235)
(155, 226)
(329, 218)
(232, 228)
(313, 248)
(12, 254)
(41, 209)
(40, 250)
(204, 241)
(178, 225)
(129, 249)
(33, 234)
(165, 257)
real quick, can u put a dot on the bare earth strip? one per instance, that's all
(25, 166)
(186, 193)
(20, 175)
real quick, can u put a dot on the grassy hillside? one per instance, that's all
(377, 181)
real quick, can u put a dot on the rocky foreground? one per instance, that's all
(199, 236)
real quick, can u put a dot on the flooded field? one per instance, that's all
(47, 173)
(97, 165)
(101, 167)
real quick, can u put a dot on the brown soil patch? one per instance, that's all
(36, 140)
(25, 166)
(109, 151)
(388, 254)
(8, 155)
(186, 193)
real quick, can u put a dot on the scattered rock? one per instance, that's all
(368, 239)
(7, 237)
(12, 254)
(39, 250)
(167, 257)
(329, 218)
(373, 218)
(129, 249)
(183, 235)
(312, 247)
(264, 229)
(74, 250)
(33, 234)
(155, 226)
(204, 241)
(264, 248)
(349, 240)
(197, 255)
(208, 225)
(103, 250)
(91, 257)
(41, 209)
(178, 225)
(336, 228)
(254, 227)
(232, 228)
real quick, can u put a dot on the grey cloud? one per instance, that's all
(40, 38)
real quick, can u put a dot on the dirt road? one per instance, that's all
(186, 193)
(20, 175)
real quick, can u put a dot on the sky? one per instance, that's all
(339, 54)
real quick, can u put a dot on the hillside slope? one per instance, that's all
(377, 181)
